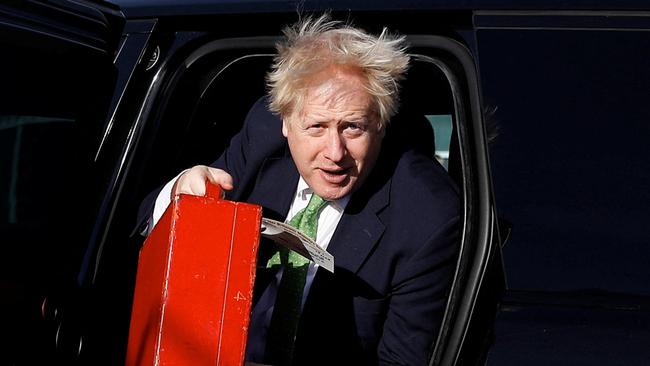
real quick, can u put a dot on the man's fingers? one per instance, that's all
(190, 182)
(196, 185)
(194, 180)
(220, 178)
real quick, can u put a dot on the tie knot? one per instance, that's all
(316, 202)
(306, 220)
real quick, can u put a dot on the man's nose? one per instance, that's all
(335, 146)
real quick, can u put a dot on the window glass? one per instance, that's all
(51, 104)
(570, 162)
(442, 125)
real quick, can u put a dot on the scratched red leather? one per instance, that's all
(194, 284)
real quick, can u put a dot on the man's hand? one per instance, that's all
(194, 180)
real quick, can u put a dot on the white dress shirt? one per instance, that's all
(328, 219)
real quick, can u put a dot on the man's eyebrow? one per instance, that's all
(363, 120)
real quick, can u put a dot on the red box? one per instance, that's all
(194, 285)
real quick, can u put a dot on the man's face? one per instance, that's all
(335, 139)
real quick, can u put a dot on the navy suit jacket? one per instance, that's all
(394, 248)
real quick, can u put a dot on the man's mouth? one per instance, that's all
(334, 176)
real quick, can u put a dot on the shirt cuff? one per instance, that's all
(162, 202)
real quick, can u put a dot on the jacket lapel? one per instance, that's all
(274, 190)
(360, 228)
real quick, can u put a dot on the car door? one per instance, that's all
(57, 77)
(570, 173)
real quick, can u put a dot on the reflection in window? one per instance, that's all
(442, 128)
(18, 151)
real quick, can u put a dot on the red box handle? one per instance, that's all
(213, 190)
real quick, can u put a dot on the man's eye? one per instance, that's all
(314, 126)
(355, 128)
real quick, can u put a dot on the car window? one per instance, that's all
(442, 125)
(50, 119)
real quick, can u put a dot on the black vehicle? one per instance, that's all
(539, 113)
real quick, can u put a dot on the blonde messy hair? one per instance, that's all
(314, 44)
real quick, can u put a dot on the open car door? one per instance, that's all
(57, 81)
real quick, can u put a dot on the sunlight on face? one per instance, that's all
(335, 138)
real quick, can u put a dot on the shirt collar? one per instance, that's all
(303, 191)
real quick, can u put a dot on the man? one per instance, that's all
(389, 216)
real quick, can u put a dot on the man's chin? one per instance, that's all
(331, 193)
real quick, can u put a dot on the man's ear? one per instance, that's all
(382, 131)
(285, 127)
(381, 127)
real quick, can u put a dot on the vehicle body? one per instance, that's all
(103, 103)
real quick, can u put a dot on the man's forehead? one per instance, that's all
(335, 94)
(338, 95)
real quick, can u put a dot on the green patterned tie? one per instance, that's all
(286, 313)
